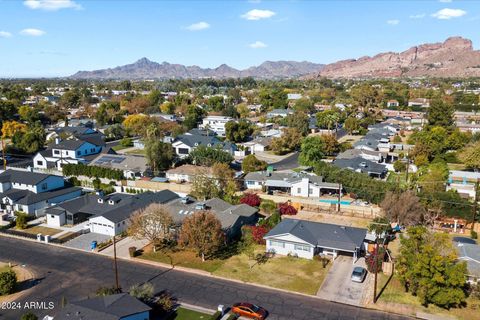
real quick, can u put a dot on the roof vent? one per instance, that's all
(111, 202)
(100, 200)
(363, 164)
(196, 144)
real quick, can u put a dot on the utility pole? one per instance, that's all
(406, 172)
(376, 271)
(474, 213)
(339, 195)
(115, 264)
(3, 155)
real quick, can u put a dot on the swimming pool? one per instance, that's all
(342, 202)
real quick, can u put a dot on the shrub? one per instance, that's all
(29, 316)
(216, 316)
(8, 280)
(251, 199)
(258, 232)
(106, 291)
(473, 234)
(268, 207)
(287, 209)
(323, 260)
(21, 220)
(375, 258)
(165, 302)
(142, 292)
(71, 169)
(126, 142)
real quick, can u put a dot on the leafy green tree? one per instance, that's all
(399, 166)
(29, 316)
(304, 105)
(290, 140)
(31, 140)
(71, 99)
(365, 96)
(428, 268)
(328, 119)
(28, 114)
(159, 154)
(470, 155)
(207, 156)
(440, 113)
(115, 131)
(312, 150)
(8, 281)
(434, 177)
(273, 98)
(380, 225)
(215, 103)
(238, 131)
(251, 164)
(352, 125)
(332, 147)
(404, 208)
(299, 121)
(193, 117)
(21, 220)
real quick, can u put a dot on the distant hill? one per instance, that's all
(146, 69)
(453, 58)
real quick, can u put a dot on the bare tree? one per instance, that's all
(152, 223)
(203, 232)
(404, 208)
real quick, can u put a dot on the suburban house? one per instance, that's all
(306, 239)
(470, 253)
(392, 104)
(106, 214)
(416, 118)
(260, 144)
(185, 143)
(378, 137)
(463, 182)
(279, 113)
(133, 166)
(419, 102)
(292, 183)
(121, 306)
(66, 151)
(231, 217)
(468, 127)
(216, 124)
(375, 156)
(294, 96)
(359, 164)
(186, 173)
(31, 192)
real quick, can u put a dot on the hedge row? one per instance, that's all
(92, 171)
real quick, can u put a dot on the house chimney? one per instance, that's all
(57, 140)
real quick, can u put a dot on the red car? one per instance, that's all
(249, 310)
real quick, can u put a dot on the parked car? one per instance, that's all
(359, 274)
(249, 310)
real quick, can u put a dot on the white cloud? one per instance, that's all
(202, 25)
(445, 1)
(5, 34)
(393, 22)
(447, 14)
(52, 5)
(418, 16)
(257, 45)
(257, 14)
(32, 32)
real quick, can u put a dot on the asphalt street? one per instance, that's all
(75, 275)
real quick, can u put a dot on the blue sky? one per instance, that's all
(59, 37)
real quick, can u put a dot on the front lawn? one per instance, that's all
(289, 273)
(119, 147)
(187, 314)
(136, 152)
(43, 230)
(295, 274)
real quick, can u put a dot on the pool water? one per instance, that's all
(342, 202)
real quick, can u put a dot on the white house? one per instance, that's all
(216, 124)
(306, 239)
(63, 152)
(187, 172)
(185, 143)
(31, 192)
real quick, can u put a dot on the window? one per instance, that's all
(79, 152)
(56, 152)
(44, 186)
(118, 225)
(299, 190)
(92, 150)
(301, 247)
(250, 183)
(52, 216)
(182, 151)
(279, 244)
(310, 191)
(40, 163)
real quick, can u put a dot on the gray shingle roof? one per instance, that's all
(23, 177)
(26, 197)
(197, 140)
(360, 164)
(471, 254)
(321, 234)
(71, 144)
(112, 307)
(124, 204)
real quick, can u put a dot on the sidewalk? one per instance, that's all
(122, 247)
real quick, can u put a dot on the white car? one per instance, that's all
(359, 274)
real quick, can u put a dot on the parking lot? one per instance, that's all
(84, 241)
(338, 285)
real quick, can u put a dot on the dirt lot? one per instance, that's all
(333, 219)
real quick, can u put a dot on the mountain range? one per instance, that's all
(146, 69)
(454, 57)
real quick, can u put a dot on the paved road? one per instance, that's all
(290, 162)
(75, 275)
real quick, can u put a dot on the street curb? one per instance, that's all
(204, 273)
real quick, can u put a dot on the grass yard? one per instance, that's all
(456, 166)
(394, 298)
(295, 274)
(43, 230)
(119, 147)
(187, 314)
(136, 152)
(182, 258)
(4, 267)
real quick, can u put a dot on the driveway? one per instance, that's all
(123, 245)
(84, 241)
(339, 287)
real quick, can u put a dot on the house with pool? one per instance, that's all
(305, 239)
(294, 184)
